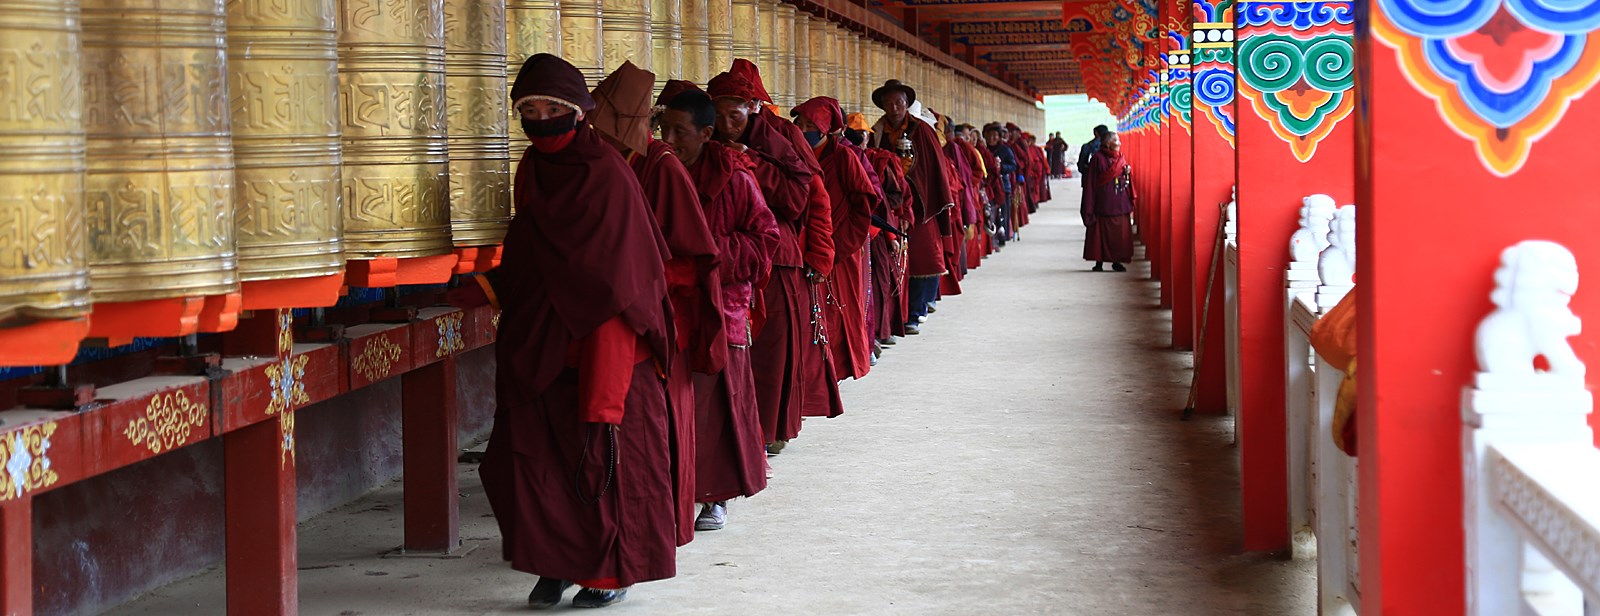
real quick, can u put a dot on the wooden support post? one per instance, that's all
(1213, 177)
(16, 570)
(428, 402)
(1282, 158)
(259, 488)
(1440, 158)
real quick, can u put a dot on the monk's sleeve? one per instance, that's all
(788, 190)
(747, 251)
(605, 371)
(819, 229)
(862, 202)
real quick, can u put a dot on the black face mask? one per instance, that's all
(857, 137)
(551, 127)
(813, 137)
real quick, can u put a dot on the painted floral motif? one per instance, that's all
(1502, 72)
(450, 340)
(377, 358)
(26, 452)
(1296, 67)
(168, 420)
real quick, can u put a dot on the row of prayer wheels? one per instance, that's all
(172, 162)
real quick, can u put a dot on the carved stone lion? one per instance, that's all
(1315, 213)
(1337, 264)
(1533, 285)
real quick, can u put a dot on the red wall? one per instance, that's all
(1432, 223)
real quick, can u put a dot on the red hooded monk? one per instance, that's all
(785, 355)
(729, 459)
(578, 467)
(854, 198)
(622, 117)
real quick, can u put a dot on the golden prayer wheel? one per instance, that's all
(696, 41)
(720, 39)
(283, 81)
(822, 62)
(845, 73)
(581, 40)
(802, 58)
(746, 31)
(767, 45)
(783, 39)
(45, 272)
(666, 35)
(396, 169)
(477, 117)
(532, 27)
(858, 77)
(159, 186)
(625, 34)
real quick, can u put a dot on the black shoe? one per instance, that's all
(1118, 267)
(912, 329)
(547, 593)
(888, 341)
(1099, 267)
(595, 597)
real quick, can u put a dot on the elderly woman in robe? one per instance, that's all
(579, 463)
(1108, 200)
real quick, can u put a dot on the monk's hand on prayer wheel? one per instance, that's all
(972, 231)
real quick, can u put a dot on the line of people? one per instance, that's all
(672, 308)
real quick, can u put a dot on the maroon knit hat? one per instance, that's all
(550, 76)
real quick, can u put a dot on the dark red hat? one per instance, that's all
(731, 85)
(548, 76)
(672, 89)
(823, 111)
(748, 70)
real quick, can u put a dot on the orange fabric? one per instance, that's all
(1334, 338)
(604, 360)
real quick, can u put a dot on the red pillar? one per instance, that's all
(16, 570)
(1213, 184)
(428, 401)
(1178, 285)
(1443, 188)
(259, 488)
(1281, 159)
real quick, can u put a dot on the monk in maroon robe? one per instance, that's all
(730, 462)
(853, 197)
(888, 315)
(579, 462)
(783, 356)
(622, 118)
(930, 191)
(817, 374)
(1108, 200)
(1041, 169)
(977, 235)
(1022, 188)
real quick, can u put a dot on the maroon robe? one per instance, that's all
(583, 329)
(930, 190)
(888, 250)
(730, 460)
(781, 355)
(1108, 200)
(694, 289)
(854, 198)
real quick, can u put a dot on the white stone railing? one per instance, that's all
(1531, 473)
(1322, 478)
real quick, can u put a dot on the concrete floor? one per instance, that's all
(1022, 456)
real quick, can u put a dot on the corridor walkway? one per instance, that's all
(1022, 456)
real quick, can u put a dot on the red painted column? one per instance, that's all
(259, 489)
(1213, 185)
(1443, 187)
(428, 401)
(1179, 204)
(1282, 157)
(16, 570)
